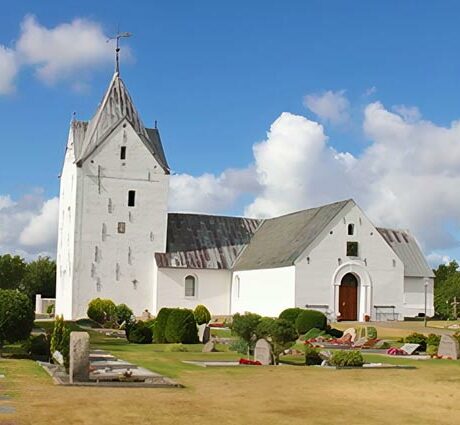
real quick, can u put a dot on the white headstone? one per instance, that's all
(449, 347)
(410, 348)
(204, 333)
(263, 352)
(79, 357)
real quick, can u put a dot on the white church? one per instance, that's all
(117, 240)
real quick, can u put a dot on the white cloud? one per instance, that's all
(8, 69)
(209, 193)
(41, 229)
(407, 177)
(435, 259)
(409, 113)
(370, 91)
(329, 106)
(66, 52)
(28, 226)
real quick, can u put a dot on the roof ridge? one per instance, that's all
(345, 201)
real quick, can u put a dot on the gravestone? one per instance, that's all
(410, 348)
(79, 357)
(449, 347)
(263, 352)
(146, 315)
(204, 333)
(209, 347)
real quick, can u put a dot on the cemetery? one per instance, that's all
(183, 356)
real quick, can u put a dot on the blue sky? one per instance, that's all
(217, 75)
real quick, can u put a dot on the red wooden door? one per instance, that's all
(348, 298)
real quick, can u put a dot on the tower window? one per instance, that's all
(190, 286)
(123, 152)
(121, 227)
(351, 229)
(131, 198)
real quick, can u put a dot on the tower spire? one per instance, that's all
(117, 49)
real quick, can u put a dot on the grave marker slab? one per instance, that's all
(410, 348)
(263, 352)
(79, 357)
(204, 333)
(449, 347)
(209, 347)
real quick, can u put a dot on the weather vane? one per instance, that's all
(117, 50)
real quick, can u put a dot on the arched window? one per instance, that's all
(237, 286)
(351, 229)
(190, 286)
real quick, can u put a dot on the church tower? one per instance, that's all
(112, 209)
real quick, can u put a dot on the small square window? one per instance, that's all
(352, 249)
(123, 152)
(121, 227)
(131, 198)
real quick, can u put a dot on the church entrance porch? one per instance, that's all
(351, 292)
(348, 297)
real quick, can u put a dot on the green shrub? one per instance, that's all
(16, 316)
(371, 332)
(282, 335)
(102, 310)
(309, 319)
(38, 345)
(123, 314)
(181, 327)
(312, 356)
(176, 348)
(159, 326)
(240, 346)
(416, 338)
(264, 328)
(291, 314)
(431, 350)
(139, 333)
(60, 339)
(347, 358)
(202, 314)
(50, 309)
(433, 339)
(335, 333)
(245, 325)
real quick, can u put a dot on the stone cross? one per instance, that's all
(263, 352)
(79, 357)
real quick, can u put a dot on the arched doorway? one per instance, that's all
(348, 297)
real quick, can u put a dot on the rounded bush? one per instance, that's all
(159, 327)
(347, 358)
(291, 314)
(102, 310)
(181, 327)
(202, 314)
(312, 357)
(309, 319)
(140, 333)
(16, 316)
(123, 313)
(39, 345)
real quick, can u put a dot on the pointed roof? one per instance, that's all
(116, 106)
(280, 241)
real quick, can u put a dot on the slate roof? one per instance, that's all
(279, 241)
(116, 106)
(408, 250)
(204, 241)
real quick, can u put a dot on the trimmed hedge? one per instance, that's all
(291, 314)
(124, 314)
(159, 327)
(202, 314)
(309, 319)
(140, 333)
(181, 327)
(312, 357)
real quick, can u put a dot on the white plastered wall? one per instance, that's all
(414, 296)
(266, 292)
(212, 289)
(380, 272)
(109, 264)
